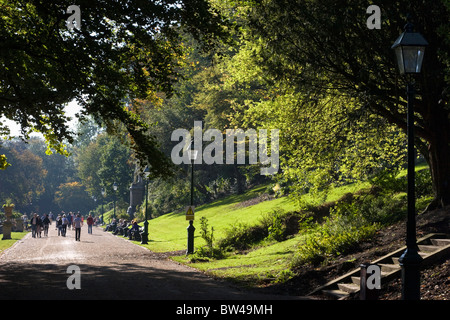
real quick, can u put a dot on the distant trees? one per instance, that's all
(124, 50)
(23, 181)
(103, 162)
(72, 196)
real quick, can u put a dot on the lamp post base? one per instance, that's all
(410, 263)
(190, 243)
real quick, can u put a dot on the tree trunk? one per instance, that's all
(439, 158)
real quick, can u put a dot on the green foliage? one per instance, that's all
(125, 50)
(423, 183)
(24, 180)
(209, 250)
(341, 118)
(3, 162)
(103, 162)
(276, 225)
(72, 196)
(207, 235)
(272, 226)
(388, 182)
(241, 236)
(348, 224)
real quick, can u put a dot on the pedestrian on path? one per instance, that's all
(59, 224)
(65, 222)
(77, 223)
(70, 219)
(25, 222)
(46, 223)
(90, 222)
(39, 226)
(34, 224)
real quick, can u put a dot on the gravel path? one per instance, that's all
(111, 267)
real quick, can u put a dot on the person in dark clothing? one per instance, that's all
(34, 225)
(59, 224)
(46, 223)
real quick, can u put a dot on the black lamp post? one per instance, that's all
(191, 229)
(409, 49)
(114, 198)
(103, 198)
(144, 235)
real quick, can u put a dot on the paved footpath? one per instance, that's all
(111, 267)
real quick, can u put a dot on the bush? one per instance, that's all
(327, 243)
(348, 225)
(276, 224)
(387, 181)
(208, 251)
(272, 227)
(423, 182)
(242, 237)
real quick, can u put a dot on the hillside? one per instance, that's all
(435, 280)
(265, 263)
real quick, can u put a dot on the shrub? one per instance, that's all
(423, 182)
(208, 251)
(242, 236)
(276, 224)
(347, 225)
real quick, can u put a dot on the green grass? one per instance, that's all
(267, 262)
(168, 232)
(15, 236)
(264, 262)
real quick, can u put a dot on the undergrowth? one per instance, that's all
(348, 222)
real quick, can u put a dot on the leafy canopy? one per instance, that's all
(124, 50)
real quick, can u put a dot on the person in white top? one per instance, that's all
(77, 223)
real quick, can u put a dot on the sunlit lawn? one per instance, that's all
(15, 236)
(168, 232)
(267, 262)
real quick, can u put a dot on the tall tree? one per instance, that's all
(102, 163)
(324, 50)
(123, 50)
(23, 182)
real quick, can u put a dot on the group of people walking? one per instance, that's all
(63, 222)
(39, 224)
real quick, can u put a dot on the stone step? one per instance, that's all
(427, 248)
(440, 242)
(387, 268)
(348, 287)
(421, 253)
(356, 280)
(336, 294)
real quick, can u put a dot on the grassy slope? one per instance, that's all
(270, 261)
(168, 232)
